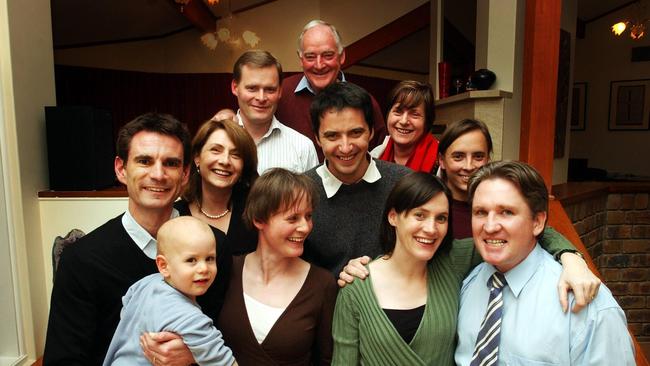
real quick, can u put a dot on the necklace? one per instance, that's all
(214, 217)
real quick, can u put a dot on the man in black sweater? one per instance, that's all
(353, 187)
(95, 272)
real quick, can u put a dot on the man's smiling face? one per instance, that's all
(503, 225)
(344, 136)
(320, 59)
(154, 173)
(258, 93)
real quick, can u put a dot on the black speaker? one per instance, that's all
(80, 148)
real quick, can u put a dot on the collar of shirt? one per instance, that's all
(140, 236)
(331, 184)
(275, 125)
(519, 276)
(304, 83)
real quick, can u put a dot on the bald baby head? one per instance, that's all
(187, 255)
(182, 231)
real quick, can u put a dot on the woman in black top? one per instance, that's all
(224, 168)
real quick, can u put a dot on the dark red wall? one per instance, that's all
(192, 98)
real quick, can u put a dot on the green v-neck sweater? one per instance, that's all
(363, 334)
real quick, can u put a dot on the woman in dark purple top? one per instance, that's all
(464, 147)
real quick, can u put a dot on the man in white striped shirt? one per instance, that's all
(256, 84)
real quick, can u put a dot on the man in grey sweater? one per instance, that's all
(353, 187)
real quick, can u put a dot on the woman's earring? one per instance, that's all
(197, 169)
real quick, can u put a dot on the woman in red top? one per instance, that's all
(409, 122)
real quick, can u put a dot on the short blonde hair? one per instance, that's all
(276, 190)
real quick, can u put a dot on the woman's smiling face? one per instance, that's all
(220, 163)
(421, 230)
(463, 157)
(406, 125)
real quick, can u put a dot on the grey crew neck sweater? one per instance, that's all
(347, 224)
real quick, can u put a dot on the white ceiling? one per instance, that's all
(82, 22)
(77, 22)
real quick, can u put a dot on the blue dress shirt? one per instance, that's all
(304, 84)
(534, 330)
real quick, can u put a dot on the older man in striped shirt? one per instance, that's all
(256, 84)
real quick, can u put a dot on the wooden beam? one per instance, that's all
(199, 15)
(383, 37)
(541, 52)
(122, 40)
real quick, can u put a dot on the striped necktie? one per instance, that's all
(486, 350)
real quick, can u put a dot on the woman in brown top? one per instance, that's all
(278, 309)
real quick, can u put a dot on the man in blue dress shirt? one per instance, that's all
(523, 325)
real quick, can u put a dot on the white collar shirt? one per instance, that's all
(331, 183)
(140, 236)
(283, 147)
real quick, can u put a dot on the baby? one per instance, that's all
(166, 301)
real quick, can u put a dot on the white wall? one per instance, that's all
(500, 47)
(512, 113)
(601, 58)
(11, 344)
(26, 64)
(496, 37)
(60, 215)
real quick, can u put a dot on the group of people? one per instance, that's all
(243, 268)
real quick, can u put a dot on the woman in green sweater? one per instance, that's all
(405, 312)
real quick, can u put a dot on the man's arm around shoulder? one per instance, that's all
(605, 339)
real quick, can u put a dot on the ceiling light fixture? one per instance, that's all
(226, 33)
(636, 23)
(185, 2)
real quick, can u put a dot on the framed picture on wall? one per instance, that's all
(579, 107)
(629, 105)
